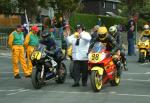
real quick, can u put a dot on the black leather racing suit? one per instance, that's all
(117, 37)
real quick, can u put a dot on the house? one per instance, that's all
(101, 7)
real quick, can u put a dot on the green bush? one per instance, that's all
(89, 20)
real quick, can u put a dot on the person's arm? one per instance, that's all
(114, 44)
(86, 36)
(10, 40)
(70, 39)
(27, 39)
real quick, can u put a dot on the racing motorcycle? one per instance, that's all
(102, 68)
(47, 65)
(144, 48)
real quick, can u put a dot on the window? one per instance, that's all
(104, 4)
(114, 6)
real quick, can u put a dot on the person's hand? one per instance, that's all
(65, 34)
(118, 52)
(77, 35)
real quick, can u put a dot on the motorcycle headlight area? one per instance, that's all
(96, 57)
(36, 55)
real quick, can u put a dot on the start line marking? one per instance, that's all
(16, 91)
(91, 93)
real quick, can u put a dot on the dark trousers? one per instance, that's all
(80, 68)
(131, 49)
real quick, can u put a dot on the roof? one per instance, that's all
(118, 1)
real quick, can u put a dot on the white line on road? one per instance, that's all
(91, 93)
(11, 90)
(136, 73)
(136, 80)
(19, 91)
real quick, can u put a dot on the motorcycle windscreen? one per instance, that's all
(41, 47)
(98, 47)
(144, 38)
(96, 55)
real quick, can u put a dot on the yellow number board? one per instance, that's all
(94, 57)
(36, 55)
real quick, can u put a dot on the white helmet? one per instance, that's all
(146, 27)
(113, 30)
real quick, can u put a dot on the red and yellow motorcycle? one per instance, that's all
(102, 68)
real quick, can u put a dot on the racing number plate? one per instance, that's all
(95, 57)
(36, 55)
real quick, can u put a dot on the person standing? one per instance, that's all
(31, 42)
(15, 42)
(80, 45)
(130, 37)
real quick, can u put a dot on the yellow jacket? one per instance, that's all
(15, 38)
(145, 32)
(31, 39)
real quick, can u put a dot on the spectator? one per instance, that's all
(94, 33)
(31, 42)
(130, 37)
(80, 44)
(15, 41)
(99, 21)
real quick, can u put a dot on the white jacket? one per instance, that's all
(79, 52)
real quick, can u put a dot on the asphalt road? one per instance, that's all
(134, 87)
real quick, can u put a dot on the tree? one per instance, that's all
(131, 7)
(68, 7)
(7, 7)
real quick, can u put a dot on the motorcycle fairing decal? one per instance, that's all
(36, 55)
(99, 69)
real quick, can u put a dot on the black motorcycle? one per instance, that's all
(47, 65)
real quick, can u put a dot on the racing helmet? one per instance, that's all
(113, 30)
(35, 28)
(146, 29)
(102, 32)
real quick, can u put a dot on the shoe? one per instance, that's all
(28, 76)
(125, 68)
(17, 76)
(76, 85)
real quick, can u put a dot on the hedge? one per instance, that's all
(89, 20)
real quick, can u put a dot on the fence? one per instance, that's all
(8, 21)
(3, 40)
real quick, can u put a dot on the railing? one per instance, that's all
(3, 40)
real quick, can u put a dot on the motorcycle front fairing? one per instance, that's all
(99, 57)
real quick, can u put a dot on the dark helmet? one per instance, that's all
(45, 34)
(78, 26)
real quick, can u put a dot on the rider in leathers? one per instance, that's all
(111, 45)
(114, 32)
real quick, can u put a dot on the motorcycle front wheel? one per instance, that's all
(96, 81)
(141, 57)
(62, 73)
(35, 78)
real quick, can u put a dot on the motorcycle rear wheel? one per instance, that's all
(35, 78)
(96, 81)
(115, 81)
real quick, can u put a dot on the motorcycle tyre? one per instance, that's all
(94, 83)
